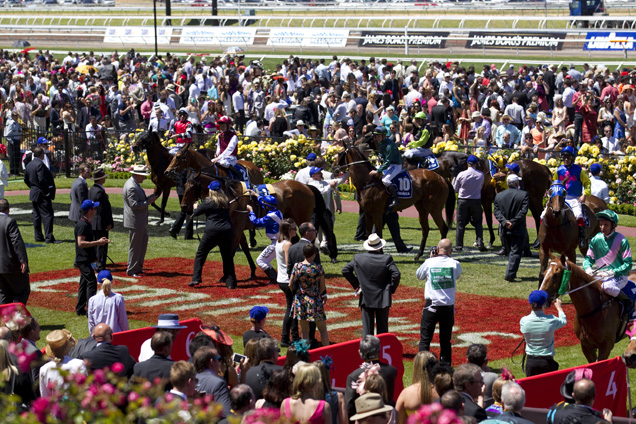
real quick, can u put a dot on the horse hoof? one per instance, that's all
(417, 257)
(159, 222)
(252, 243)
(536, 244)
(253, 276)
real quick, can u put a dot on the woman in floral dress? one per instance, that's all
(307, 282)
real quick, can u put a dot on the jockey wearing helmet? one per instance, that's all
(227, 146)
(420, 147)
(182, 131)
(577, 184)
(271, 222)
(611, 253)
(391, 163)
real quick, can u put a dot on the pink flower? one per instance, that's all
(100, 376)
(118, 367)
(80, 378)
(108, 388)
(133, 396)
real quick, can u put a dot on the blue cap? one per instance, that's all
(42, 140)
(314, 170)
(104, 275)
(259, 313)
(312, 156)
(269, 201)
(472, 159)
(513, 167)
(87, 205)
(595, 169)
(215, 185)
(538, 296)
(568, 150)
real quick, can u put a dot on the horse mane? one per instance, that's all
(363, 157)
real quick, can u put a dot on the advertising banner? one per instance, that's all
(138, 35)
(427, 40)
(610, 41)
(239, 36)
(610, 380)
(525, 41)
(308, 37)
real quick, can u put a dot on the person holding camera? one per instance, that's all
(441, 273)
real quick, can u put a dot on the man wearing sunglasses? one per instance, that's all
(207, 362)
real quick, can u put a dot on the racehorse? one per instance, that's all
(429, 194)
(598, 318)
(629, 356)
(237, 208)
(301, 202)
(559, 231)
(159, 158)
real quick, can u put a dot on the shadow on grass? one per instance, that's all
(52, 327)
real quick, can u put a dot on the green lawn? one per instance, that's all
(478, 278)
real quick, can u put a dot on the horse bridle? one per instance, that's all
(602, 305)
(565, 207)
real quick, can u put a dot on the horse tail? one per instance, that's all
(322, 218)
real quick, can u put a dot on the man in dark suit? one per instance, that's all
(42, 193)
(103, 220)
(14, 266)
(581, 412)
(511, 207)
(157, 365)
(30, 333)
(370, 354)
(267, 352)
(82, 346)
(206, 361)
(468, 381)
(79, 193)
(375, 277)
(105, 354)
(295, 254)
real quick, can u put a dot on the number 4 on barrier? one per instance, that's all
(611, 386)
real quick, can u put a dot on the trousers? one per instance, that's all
(138, 243)
(536, 365)
(445, 316)
(43, 214)
(377, 316)
(468, 210)
(14, 287)
(209, 241)
(87, 286)
(264, 260)
(13, 150)
(517, 245)
(290, 331)
(101, 251)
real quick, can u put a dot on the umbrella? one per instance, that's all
(28, 49)
(234, 50)
(21, 43)
(84, 69)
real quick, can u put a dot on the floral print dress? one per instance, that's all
(308, 304)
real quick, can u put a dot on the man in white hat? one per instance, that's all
(375, 277)
(301, 128)
(511, 206)
(136, 219)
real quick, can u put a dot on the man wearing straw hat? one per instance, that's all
(136, 219)
(370, 409)
(375, 277)
(59, 344)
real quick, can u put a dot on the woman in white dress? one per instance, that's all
(286, 233)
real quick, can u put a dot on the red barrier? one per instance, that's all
(610, 379)
(135, 338)
(346, 359)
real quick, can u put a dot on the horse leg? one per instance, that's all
(544, 256)
(536, 210)
(571, 254)
(252, 233)
(589, 351)
(605, 349)
(450, 205)
(487, 205)
(423, 218)
(164, 201)
(246, 250)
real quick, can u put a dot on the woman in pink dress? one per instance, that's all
(304, 405)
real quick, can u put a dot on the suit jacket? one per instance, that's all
(512, 205)
(135, 205)
(40, 181)
(388, 372)
(79, 193)
(258, 376)
(106, 354)
(156, 366)
(295, 255)
(376, 274)
(214, 385)
(582, 414)
(513, 418)
(104, 216)
(82, 346)
(12, 248)
(471, 409)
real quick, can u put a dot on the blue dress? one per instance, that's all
(619, 130)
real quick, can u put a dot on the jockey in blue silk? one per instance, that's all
(577, 184)
(612, 255)
(271, 221)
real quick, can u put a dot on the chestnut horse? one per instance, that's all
(598, 316)
(301, 202)
(429, 194)
(159, 159)
(559, 231)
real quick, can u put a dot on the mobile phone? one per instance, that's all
(238, 358)
(434, 251)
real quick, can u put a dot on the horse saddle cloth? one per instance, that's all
(265, 189)
(630, 291)
(429, 162)
(493, 167)
(242, 171)
(403, 184)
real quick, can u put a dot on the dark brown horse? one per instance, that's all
(159, 159)
(194, 190)
(429, 194)
(559, 231)
(598, 316)
(301, 202)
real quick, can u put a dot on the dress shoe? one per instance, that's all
(407, 249)
(324, 249)
(481, 247)
(53, 242)
(285, 343)
(194, 283)
(458, 249)
(135, 275)
(173, 233)
(80, 313)
(360, 238)
(509, 279)
(501, 252)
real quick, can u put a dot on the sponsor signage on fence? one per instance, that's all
(217, 36)
(137, 35)
(308, 37)
(610, 41)
(525, 41)
(429, 40)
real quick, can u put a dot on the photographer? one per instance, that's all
(441, 273)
